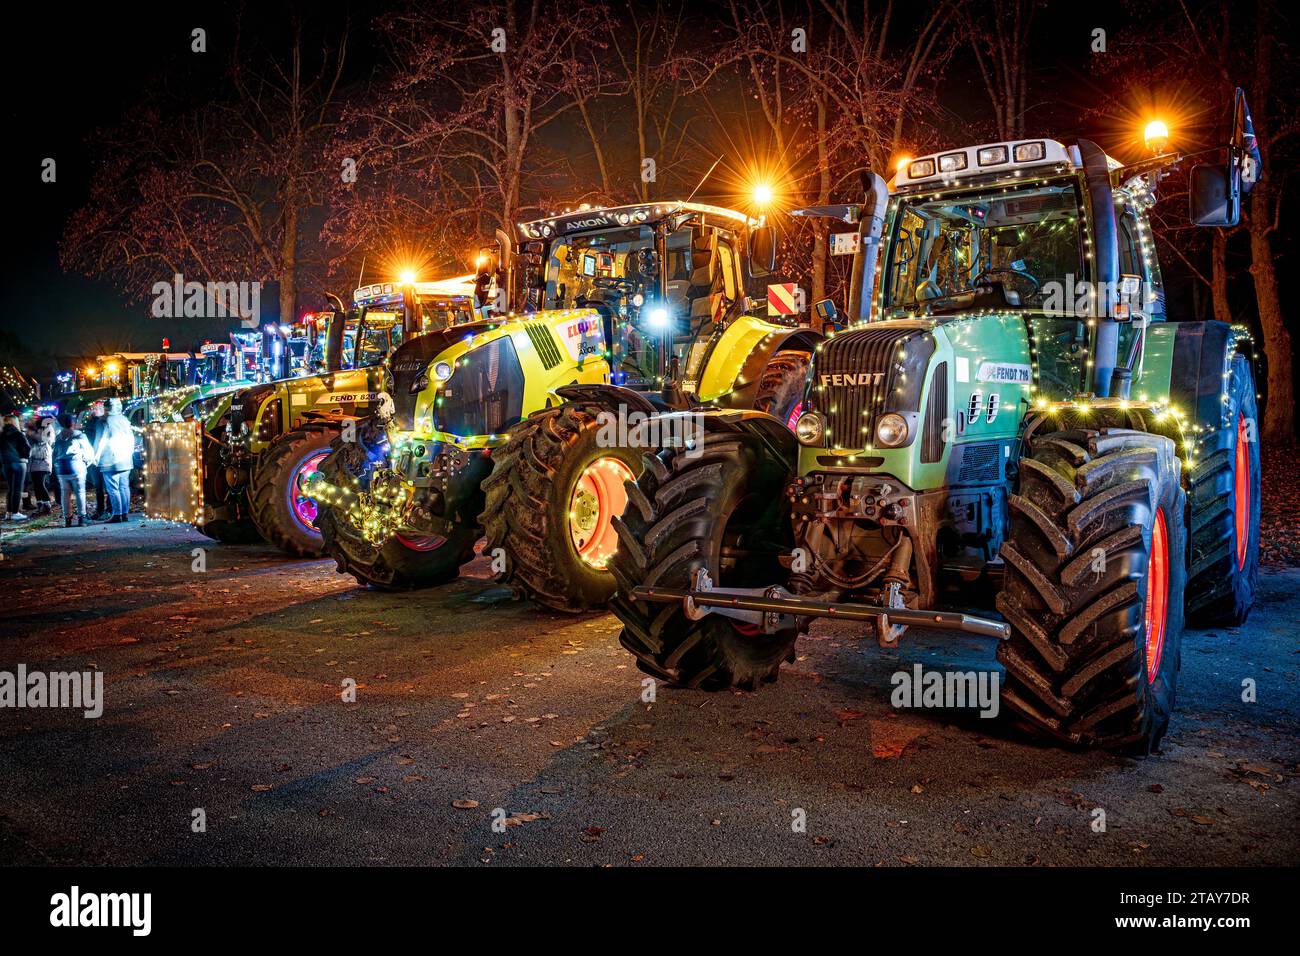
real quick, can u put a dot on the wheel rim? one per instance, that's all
(597, 497)
(1242, 488)
(420, 542)
(301, 503)
(1157, 604)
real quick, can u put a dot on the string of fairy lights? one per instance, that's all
(378, 511)
(1140, 193)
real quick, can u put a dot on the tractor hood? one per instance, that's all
(467, 384)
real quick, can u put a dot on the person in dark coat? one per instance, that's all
(14, 452)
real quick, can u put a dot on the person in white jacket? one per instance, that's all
(114, 454)
(73, 455)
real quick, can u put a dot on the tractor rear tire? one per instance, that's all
(682, 512)
(1095, 575)
(401, 564)
(550, 500)
(780, 390)
(1223, 491)
(275, 490)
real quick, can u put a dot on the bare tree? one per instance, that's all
(217, 192)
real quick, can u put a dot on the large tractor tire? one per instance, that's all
(277, 490)
(1095, 574)
(1223, 491)
(550, 503)
(403, 563)
(724, 511)
(780, 390)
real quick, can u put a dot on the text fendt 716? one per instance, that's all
(1010, 418)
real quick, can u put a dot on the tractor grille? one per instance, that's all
(860, 375)
(980, 462)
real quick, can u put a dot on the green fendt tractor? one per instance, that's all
(1009, 418)
(496, 427)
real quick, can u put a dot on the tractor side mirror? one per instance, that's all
(1214, 195)
(826, 312)
(762, 251)
(485, 270)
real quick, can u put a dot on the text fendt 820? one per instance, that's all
(245, 479)
(497, 427)
(1093, 472)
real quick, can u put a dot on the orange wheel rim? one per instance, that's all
(1241, 491)
(598, 497)
(1157, 604)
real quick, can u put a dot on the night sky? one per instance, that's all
(71, 73)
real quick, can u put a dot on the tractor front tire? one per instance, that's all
(700, 511)
(550, 501)
(1095, 575)
(276, 490)
(401, 563)
(1223, 491)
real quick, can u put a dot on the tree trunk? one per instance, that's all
(1219, 277)
(820, 230)
(289, 260)
(1279, 411)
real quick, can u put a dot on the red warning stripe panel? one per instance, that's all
(780, 299)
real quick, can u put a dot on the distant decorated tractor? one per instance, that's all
(240, 475)
(509, 427)
(1011, 418)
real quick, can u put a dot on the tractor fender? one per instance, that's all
(768, 429)
(1198, 366)
(744, 388)
(610, 397)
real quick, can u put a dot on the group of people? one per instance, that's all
(63, 462)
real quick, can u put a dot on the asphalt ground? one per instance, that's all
(223, 694)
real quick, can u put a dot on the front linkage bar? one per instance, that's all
(775, 609)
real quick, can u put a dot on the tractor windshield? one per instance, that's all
(998, 248)
(589, 267)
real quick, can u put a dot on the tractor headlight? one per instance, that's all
(810, 428)
(442, 371)
(891, 430)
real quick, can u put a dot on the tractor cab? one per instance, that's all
(666, 279)
(419, 307)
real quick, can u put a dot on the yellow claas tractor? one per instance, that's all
(524, 427)
(240, 474)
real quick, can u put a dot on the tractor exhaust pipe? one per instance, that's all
(871, 223)
(1105, 253)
